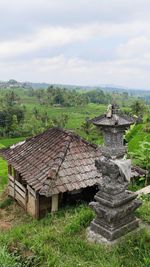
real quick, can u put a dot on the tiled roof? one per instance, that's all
(55, 161)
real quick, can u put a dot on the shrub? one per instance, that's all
(132, 132)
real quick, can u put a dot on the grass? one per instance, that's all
(3, 165)
(77, 115)
(3, 174)
(59, 240)
(6, 202)
(6, 260)
(144, 211)
(6, 142)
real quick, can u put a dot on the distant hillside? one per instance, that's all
(145, 94)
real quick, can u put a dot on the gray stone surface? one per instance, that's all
(114, 205)
(144, 191)
(97, 238)
(113, 125)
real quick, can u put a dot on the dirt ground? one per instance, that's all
(10, 215)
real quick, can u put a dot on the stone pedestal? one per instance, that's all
(114, 204)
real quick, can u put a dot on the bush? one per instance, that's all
(132, 132)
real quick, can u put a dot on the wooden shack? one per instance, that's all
(45, 167)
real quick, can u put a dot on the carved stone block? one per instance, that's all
(114, 205)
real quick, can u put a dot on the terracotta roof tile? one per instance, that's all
(70, 157)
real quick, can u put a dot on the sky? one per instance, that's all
(81, 42)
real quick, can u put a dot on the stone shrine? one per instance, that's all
(114, 204)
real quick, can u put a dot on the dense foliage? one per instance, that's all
(98, 97)
(60, 97)
(11, 114)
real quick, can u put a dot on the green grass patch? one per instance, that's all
(144, 211)
(6, 142)
(3, 174)
(81, 219)
(6, 203)
(60, 241)
(7, 260)
(77, 115)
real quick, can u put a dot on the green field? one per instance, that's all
(76, 115)
(60, 240)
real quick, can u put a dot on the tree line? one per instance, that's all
(69, 98)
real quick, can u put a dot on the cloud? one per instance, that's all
(58, 36)
(76, 71)
(137, 47)
(82, 42)
(47, 37)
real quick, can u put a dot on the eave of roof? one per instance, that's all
(60, 162)
(44, 154)
(121, 119)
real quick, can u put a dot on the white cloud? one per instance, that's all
(59, 36)
(47, 37)
(138, 47)
(76, 71)
(44, 40)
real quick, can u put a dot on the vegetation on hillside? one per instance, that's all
(60, 239)
(26, 112)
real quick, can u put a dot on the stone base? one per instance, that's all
(114, 205)
(97, 238)
(112, 233)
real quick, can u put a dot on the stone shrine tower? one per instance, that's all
(114, 204)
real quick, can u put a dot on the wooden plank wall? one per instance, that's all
(33, 202)
(17, 191)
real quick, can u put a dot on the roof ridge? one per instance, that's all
(75, 135)
(65, 153)
(59, 166)
(68, 132)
